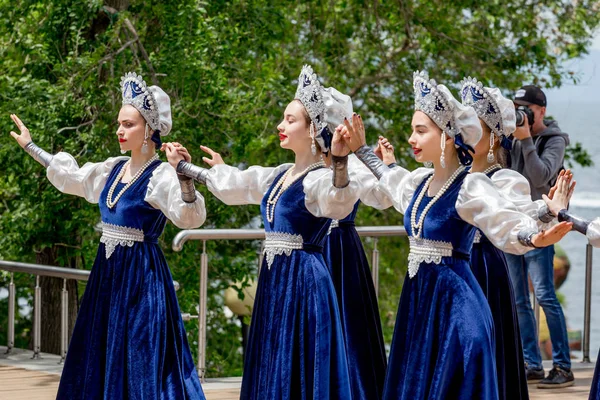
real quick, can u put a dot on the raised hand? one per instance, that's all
(215, 158)
(338, 145)
(175, 152)
(385, 151)
(552, 235)
(354, 134)
(25, 137)
(559, 196)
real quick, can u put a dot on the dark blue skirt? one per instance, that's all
(359, 311)
(443, 346)
(491, 271)
(295, 345)
(595, 389)
(129, 341)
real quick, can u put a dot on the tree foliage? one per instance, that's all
(229, 68)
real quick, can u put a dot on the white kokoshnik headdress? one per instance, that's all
(326, 107)
(152, 102)
(495, 110)
(454, 119)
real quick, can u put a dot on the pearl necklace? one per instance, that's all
(492, 168)
(279, 187)
(417, 226)
(111, 203)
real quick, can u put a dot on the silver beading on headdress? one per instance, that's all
(136, 93)
(432, 102)
(310, 94)
(474, 94)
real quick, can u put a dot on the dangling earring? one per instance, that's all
(123, 151)
(490, 157)
(428, 164)
(443, 156)
(145, 145)
(313, 146)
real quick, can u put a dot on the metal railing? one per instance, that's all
(205, 235)
(50, 271)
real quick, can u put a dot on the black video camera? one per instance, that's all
(522, 113)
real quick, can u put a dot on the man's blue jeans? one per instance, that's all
(539, 264)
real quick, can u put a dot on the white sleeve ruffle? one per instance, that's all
(399, 185)
(515, 188)
(164, 193)
(480, 204)
(236, 187)
(322, 199)
(593, 232)
(87, 181)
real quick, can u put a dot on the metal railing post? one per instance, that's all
(587, 311)
(375, 267)
(202, 305)
(11, 314)
(37, 319)
(64, 322)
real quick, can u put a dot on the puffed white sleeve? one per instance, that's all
(399, 185)
(164, 193)
(593, 232)
(322, 199)
(480, 204)
(369, 190)
(86, 181)
(515, 188)
(236, 187)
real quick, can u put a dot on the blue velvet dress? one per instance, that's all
(595, 389)
(361, 324)
(296, 345)
(443, 345)
(129, 341)
(488, 264)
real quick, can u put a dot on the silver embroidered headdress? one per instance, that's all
(495, 110)
(326, 107)
(152, 102)
(458, 121)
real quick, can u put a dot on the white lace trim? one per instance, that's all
(334, 224)
(114, 235)
(277, 243)
(426, 251)
(477, 238)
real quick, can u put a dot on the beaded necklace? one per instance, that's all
(111, 203)
(417, 226)
(280, 188)
(492, 168)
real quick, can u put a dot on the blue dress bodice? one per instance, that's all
(291, 215)
(442, 222)
(132, 210)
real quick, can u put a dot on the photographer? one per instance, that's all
(538, 153)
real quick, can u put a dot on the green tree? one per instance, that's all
(229, 67)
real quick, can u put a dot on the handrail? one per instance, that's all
(56, 272)
(205, 235)
(45, 270)
(257, 234)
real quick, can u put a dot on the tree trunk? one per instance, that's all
(51, 303)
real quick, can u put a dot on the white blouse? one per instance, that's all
(163, 193)
(479, 203)
(235, 187)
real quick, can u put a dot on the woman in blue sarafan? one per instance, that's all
(357, 299)
(129, 341)
(296, 345)
(443, 344)
(361, 324)
(498, 121)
